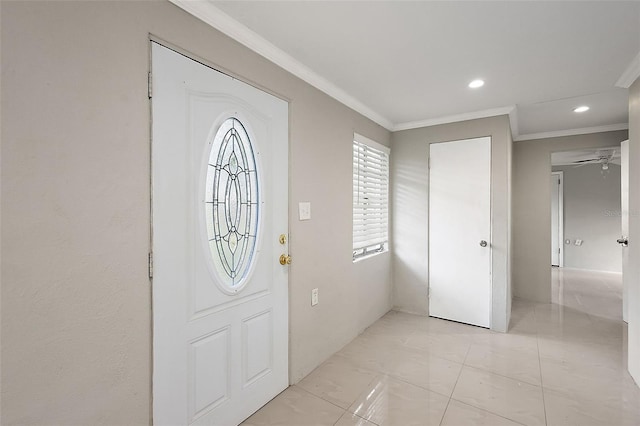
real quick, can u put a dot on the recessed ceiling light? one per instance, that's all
(581, 109)
(476, 83)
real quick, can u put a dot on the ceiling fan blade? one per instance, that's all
(591, 160)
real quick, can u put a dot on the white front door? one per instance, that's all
(460, 231)
(220, 184)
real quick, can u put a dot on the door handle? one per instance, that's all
(483, 243)
(285, 259)
(623, 241)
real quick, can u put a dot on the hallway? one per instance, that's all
(560, 364)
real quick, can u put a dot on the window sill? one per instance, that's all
(369, 256)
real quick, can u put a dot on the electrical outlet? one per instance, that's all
(304, 211)
(314, 297)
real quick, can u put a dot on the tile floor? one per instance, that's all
(562, 363)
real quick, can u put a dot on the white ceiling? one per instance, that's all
(408, 63)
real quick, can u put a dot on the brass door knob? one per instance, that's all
(285, 260)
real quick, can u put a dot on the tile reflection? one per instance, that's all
(394, 402)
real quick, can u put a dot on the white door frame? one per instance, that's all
(624, 209)
(560, 176)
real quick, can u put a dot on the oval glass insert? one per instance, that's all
(231, 203)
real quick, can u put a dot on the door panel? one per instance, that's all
(557, 232)
(459, 220)
(220, 183)
(624, 188)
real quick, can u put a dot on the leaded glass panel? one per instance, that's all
(232, 202)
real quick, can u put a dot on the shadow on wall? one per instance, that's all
(410, 232)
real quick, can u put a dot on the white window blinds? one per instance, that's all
(370, 196)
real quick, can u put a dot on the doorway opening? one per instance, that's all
(586, 222)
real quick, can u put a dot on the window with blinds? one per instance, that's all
(370, 197)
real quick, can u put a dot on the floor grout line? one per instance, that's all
(544, 403)
(487, 411)
(503, 376)
(444, 413)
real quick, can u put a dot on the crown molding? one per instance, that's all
(454, 118)
(572, 132)
(210, 14)
(631, 74)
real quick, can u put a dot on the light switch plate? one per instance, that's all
(578, 242)
(304, 210)
(314, 297)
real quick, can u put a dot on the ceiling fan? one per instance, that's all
(604, 158)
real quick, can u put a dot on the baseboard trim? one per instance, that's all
(589, 270)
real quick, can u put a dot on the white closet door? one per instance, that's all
(460, 231)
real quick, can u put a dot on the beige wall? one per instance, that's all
(76, 314)
(532, 208)
(410, 153)
(634, 232)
